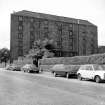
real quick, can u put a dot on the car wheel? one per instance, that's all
(97, 79)
(67, 75)
(79, 77)
(28, 71)
(54, 74)
(14, 69)
(40, 69)
(37, 71)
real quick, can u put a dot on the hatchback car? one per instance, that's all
(92, 71)
(13, 67)
(30, 68)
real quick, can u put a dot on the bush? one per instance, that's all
(77, 60)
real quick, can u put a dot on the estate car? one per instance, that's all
(92, 71)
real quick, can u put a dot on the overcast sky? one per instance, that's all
(92, 10)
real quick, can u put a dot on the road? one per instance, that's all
(18, 88)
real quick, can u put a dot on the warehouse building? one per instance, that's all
(74, 37)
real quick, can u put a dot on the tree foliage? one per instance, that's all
(4, 55)
(42, 48)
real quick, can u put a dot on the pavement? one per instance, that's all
(19, 88)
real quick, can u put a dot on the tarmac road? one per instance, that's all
(18, 88)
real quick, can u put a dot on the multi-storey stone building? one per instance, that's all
(73, 36)
(101, 49)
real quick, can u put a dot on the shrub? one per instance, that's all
(77, 60)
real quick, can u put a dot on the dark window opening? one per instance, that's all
(31, 44)
(20, 43)
(20, 36)
(84, 46)
(32, 37)
(20, 52)
(70, 33)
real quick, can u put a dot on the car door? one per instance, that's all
(90, 72)
(83, 71)
(86, 71)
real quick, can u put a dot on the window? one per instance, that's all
(32, 19)
(45, 28)
(84, 32)
(46, 23)
(84, 45)
(64, 38)
(46, 35)
(71, 40)
(89, 68)
(60, 32)
(59, 44)
(31, 44)
(20, 23)
(99, 67)
(20, 36)
(70, 47)
(71, 43)
(32, 27)
(60, 29)
(31, 36)
(70, 32)
(70, 25)
(20, 18)
(20, 52)
(20, 43)
(83, 68)
(20, 27)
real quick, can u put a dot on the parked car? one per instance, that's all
(64, 70)
(13, 67)
(30, 68)
(92, 71)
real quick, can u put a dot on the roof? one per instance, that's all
(52, 17)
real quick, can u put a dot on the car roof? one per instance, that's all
(90, 64)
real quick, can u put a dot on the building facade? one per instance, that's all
(101, 49)
(73, 36)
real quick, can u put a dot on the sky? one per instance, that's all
(91, 10)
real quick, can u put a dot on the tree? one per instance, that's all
(4, 55)
(42, 48)
(50, 45)
(37, 49)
